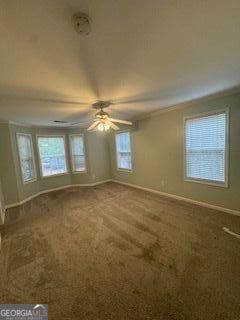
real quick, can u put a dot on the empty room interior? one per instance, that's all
(120, 159)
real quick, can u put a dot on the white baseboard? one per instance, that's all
(202, 204)
(90, 184)
(16, 204)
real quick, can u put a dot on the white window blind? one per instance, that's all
(25, 150)
(206, 148)
(77, 153)
(123, 148)
(52, 155)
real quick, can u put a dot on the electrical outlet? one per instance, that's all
(162, 183)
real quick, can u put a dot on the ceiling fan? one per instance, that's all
(102, 121)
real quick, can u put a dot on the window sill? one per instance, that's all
(124, 170)
(79, 172)
(55, 175)
(208, 182)
(29, 181)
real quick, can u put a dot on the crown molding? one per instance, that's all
(189, 103)
(21, 124)
(28, 125)
(4, 121)
(32, 126)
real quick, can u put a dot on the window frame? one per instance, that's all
(33, 157)
(39, 155)
(224, 184)
(71, 154)
(116, 151)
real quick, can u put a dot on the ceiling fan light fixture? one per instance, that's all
(102, 121)
(103, 127)
(100, 127)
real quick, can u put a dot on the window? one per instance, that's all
(52, 155)
(77, 153)
(26, 157)
(123, 148)
(206, 148)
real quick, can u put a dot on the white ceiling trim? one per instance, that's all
(189, 103)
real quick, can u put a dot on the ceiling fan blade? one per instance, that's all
(121, 121)
(80, 122)
(92, 126)
(47, 100)
(111, 124)
(82, 118)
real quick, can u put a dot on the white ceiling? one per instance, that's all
(141, 54)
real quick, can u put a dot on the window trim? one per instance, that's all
(116, 152)
(84, 151)
(39, 155)
(33, 157)
(224, 184)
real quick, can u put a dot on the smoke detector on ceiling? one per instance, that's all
(81, 23)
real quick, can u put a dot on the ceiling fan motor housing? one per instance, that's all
(101, 114)
(101, 104)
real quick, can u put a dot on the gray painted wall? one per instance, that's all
(157, 151)
(7, 167)
(97, 153)
(158, 155)
(97, 158)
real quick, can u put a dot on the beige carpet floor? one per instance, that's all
(113, 252)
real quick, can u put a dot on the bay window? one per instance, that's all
(52, 155)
